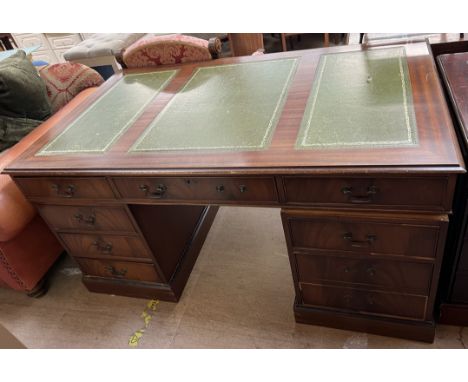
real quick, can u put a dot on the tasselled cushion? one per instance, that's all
(166, 50)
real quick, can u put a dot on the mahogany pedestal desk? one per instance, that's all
(355, 146)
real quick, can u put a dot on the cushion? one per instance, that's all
(101, 45)
(64, 81)
(166, 50)
(22, 92)
(12, 130)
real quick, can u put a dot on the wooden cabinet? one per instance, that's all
(51, 45)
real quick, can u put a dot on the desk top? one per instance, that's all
(454, 68)
(324, 110)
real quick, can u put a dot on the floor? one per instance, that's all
(239, 295)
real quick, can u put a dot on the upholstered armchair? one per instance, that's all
(169, 50)
(27, 247)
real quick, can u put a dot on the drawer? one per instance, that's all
(430, 192)
(362, 301)
(396, 276)
(119, 270)
(364, 234)
(66, 188)
(63, 40)
(210, 189)
(82, 245)
(26, 40)
(87, 218)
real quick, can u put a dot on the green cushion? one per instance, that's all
(22, 92)
(13, 129)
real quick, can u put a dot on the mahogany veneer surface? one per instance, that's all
(435, 146)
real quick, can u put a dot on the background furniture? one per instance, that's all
(27, 247)
(245, 44)
(284, 36)
(365, 228)
(52, 46)
(6, 41)
(98, 51)
(452, 58)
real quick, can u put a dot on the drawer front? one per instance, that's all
(364, 236)
(395, 276)
(63, 40)
(66, 188)
(87, 218)
(26, 40)
(123, 270)
(199, 189)
(362, 301)
(409, 192)
(105, 245)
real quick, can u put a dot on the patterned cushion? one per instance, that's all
(166, 50)
(65, 81)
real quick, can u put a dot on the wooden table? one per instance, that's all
(363, 166)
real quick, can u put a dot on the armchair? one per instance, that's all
(27, 248)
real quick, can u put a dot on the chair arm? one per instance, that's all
(15, 210)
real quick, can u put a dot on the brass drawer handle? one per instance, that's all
(68, 193)
(158, 194)
(371, 271)
(360, 199)
(89, 220)
(115, 272)
(220, 188)
(243, 188)
(348, 236)
(103, 247)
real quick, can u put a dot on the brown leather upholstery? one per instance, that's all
(27, 247)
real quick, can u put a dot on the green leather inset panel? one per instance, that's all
(107, 119)
(228, 107)
(360, 99)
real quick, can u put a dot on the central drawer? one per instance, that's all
(82, 245)
(119, 270)
(392, 275)
(83, 218)
(206, 189)
(363, 301)
(364, 235)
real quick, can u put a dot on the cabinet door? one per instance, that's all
(26, 40)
